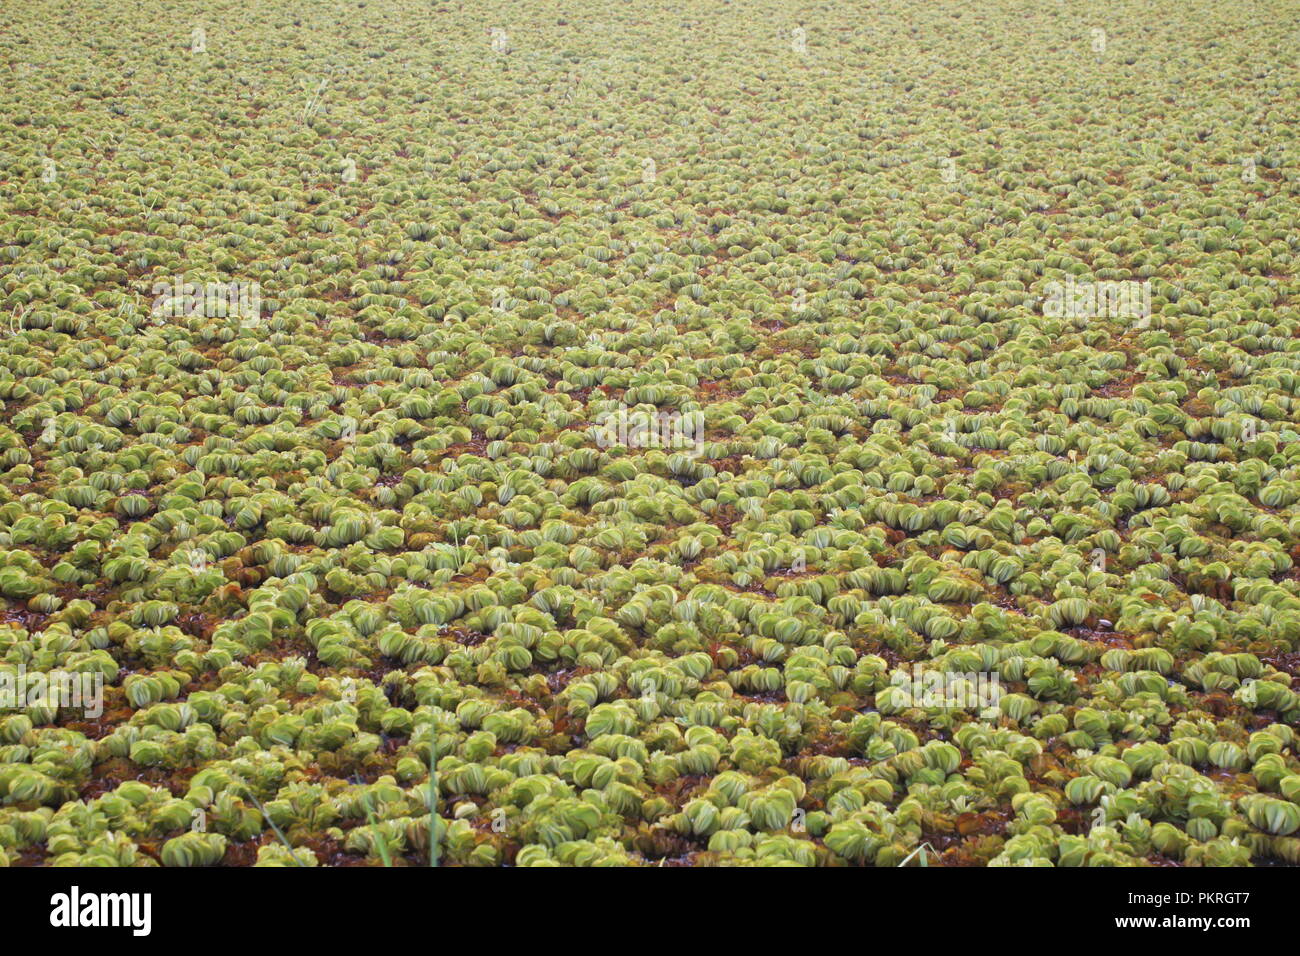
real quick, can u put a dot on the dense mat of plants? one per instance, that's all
(301, 545)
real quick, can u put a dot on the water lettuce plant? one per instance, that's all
(630, 438)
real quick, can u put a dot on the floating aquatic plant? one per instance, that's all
(650, 454)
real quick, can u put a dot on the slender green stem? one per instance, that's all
(276, 830)
(384, 853)
(920, 849)
(433, 794)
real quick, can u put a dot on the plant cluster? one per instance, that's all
(368, 576)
